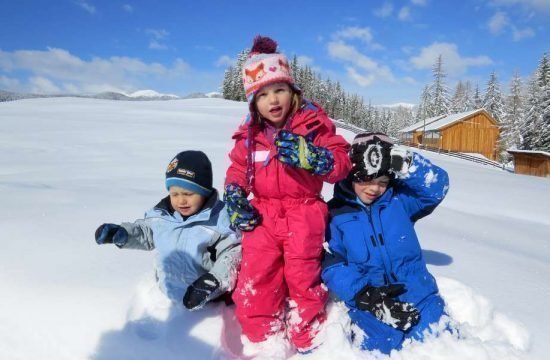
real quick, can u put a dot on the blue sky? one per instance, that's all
(382, 50)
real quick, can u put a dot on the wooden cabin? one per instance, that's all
(468, 132)
(528, 162)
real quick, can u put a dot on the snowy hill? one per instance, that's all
(69, 164)
(151, 94)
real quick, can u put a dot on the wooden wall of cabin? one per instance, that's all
(476, 134)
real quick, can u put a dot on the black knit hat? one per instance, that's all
(370, 156)
(190, 170)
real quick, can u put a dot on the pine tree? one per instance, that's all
(477, 101)
(425, 108)
(457, 101)
(439, 91)
(227, 86)
(492, 102)
(531, 124)
(544, 86)
(514, 115)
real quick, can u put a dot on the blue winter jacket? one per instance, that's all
(188, 248)
(377, 244)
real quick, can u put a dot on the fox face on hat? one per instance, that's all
(190, 170)
(265, 66)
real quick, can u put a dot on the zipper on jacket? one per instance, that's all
(386, 271)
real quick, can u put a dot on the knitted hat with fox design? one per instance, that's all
(265, 66)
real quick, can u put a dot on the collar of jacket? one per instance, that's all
(204, 214)
(302, 122)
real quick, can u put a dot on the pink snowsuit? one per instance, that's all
(282, 256)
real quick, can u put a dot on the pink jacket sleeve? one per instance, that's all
(339, 147)
(236, 173)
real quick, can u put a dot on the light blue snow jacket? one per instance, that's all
(188, 248)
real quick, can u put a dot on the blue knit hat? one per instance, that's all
(190, 170)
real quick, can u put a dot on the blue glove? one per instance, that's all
(111, 234)
(242, 215)
(297, 151)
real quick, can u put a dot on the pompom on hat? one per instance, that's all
(265, 66)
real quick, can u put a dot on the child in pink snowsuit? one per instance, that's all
(283, 153)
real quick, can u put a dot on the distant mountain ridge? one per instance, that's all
(140, 95)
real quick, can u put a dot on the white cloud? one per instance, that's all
(404, 13)
(128, 8)
(361, 80)
(355, 32)
(371, 70)
(453, 62)
(419, 2)
(537, 5)
(87, 7)
(498, 22)
(7, 83)
(363, 34)
(155, 45)
(42, 85)
(409, 80)
(157, 35)
(304, 60)
(225, 60)
(520, 34)
(384, 11)
(59, 66)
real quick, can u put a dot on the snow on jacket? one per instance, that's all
(273, 179)
(188, 248)
(377, 244)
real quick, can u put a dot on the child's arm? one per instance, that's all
(236, 173)
(339, 147)
(225, 254)
(228, 259)
(140, 235)
(422, 188)
(342, 278)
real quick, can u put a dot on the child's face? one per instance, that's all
(369, 191)
(273, 103)
(185, 201)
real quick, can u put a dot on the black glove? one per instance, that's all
(111, 234)
(370, 159)
(400, 161)
(198, 293)
(381, 302)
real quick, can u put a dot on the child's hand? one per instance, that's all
(242, 214)
(400, 161)
(198, 293)
(381, 302)
(295, 150)
(111, 233)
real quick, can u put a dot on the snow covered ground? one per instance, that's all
(67, 165)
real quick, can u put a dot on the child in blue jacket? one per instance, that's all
(374, 262)
(197, 253)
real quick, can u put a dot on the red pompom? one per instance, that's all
(264, 45)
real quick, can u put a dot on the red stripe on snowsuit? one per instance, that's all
(281, 257)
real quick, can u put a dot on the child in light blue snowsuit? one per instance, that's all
(374, 261)
(197, 252)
